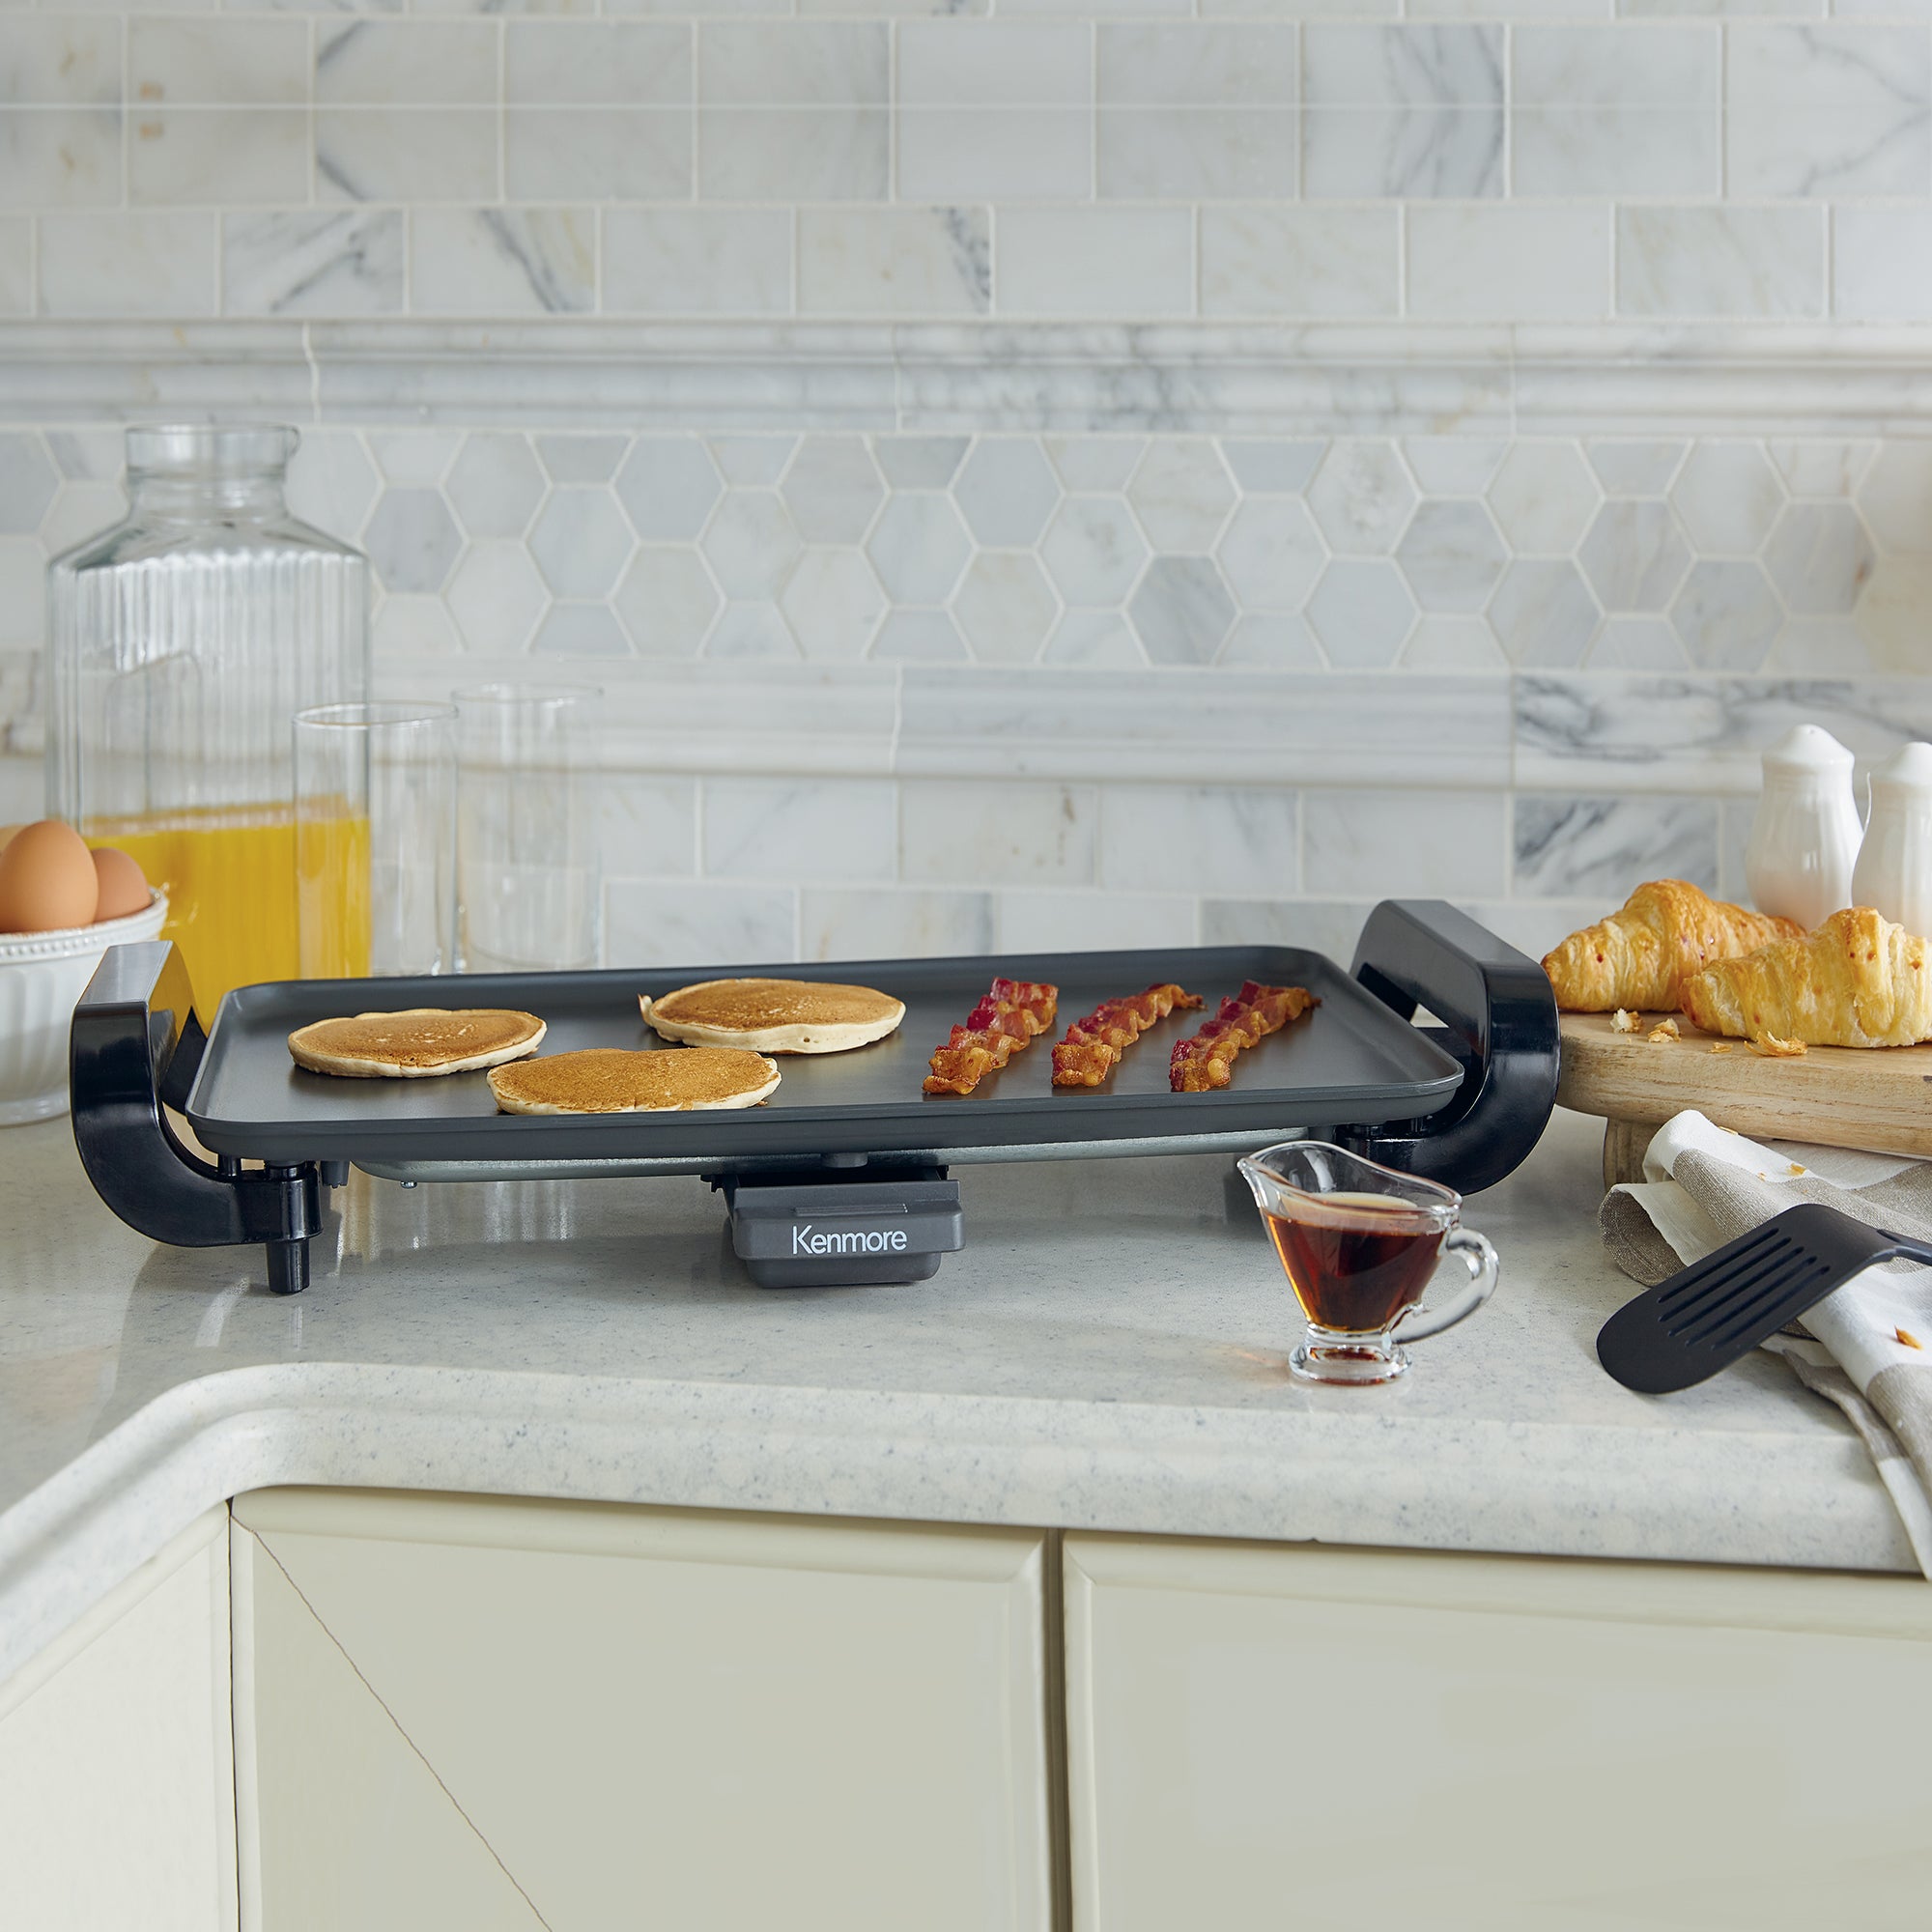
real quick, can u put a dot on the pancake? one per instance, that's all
(417, 1043)
(616, 1080)
(775, 1015)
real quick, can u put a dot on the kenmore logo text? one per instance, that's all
(855, 1241)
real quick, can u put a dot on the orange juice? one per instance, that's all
(230, 875)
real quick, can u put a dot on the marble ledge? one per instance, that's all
(1510, 1488)
(1392, 378)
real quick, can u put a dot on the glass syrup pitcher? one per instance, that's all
(1359, 1244)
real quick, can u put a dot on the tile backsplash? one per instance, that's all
(1038, 472)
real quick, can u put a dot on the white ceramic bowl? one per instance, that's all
(42, 975)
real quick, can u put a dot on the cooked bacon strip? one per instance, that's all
(1205, 1060)
(1094, 1046)
(1011, 1013)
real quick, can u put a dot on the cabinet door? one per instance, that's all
(579, 1716)
(116, 1786)
(1351, 1739)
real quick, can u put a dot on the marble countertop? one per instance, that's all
(1107, 1354)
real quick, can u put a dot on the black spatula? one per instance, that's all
(1702, 1319)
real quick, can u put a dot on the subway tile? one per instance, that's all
(405, 63)
(151, 264)
(233, 63)
(793, 64)
(1625, 65)
(1881, 263)
(995, 153)
(1357, 66)
(1197, 66)
(692, 925)
(1097, 262)
(1739, 262)
(1630, 152)
(786, 830)
(1197, 154)
(596, 63)
(1422, 153)
(873, 924)
(706, 261)
(1200, 838)
(69, 60)
(1508, 263)
(647, 826)
(899, 261)
(323, 262)
(1061, 921)
(1314, 261)
(953, 62)
(1447, 843)
(60, 157)
(1828, 110)
(226, 157)
(794, 153)
(1014, 834)
(1573, 847)
(503, 262)
(597, 154)
(1329, 926)
(406, 154)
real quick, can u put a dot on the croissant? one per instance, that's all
(1857, 981)
(1640, 956)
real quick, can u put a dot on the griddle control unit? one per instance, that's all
(844, 1226)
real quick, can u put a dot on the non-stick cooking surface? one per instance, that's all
(1352, 1061)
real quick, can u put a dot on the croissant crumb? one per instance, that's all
(1768, 1046)
(1664, 1030)
(1723, 1046)
(1909, 1340)
(1623, 1020)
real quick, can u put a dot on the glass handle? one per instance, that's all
(1480, 1259)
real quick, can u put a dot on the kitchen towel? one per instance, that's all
(1869, 1347)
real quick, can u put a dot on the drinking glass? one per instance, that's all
(375, 839)
(1359, 1243)
(528, 894)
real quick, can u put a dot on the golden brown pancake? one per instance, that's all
(417, 1043)
(615, 1080)
(775, 1015)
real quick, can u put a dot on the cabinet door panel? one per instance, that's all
(116, 1805)
(659, 1718)
(1342, 1739)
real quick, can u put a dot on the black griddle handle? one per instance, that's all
(135, 1045)
(1499, 1019)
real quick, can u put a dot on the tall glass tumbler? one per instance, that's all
(376, 840)
(530, 893)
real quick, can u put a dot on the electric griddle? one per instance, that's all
(843, 1175)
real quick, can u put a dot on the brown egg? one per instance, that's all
(124, 886)
(46, 879)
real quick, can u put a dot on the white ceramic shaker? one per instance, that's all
(1894, 869)
(1804, 839)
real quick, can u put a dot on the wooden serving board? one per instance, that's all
(1880, 1097)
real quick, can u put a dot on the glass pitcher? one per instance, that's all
(181, 645)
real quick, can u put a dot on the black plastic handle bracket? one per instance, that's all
(1499, 1019)
(136, 1043)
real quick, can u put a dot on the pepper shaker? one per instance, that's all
(1804, 839)
(1894, 869)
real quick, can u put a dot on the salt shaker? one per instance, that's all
(1804, 839)
(1894, 869)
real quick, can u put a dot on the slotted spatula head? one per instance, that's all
(1702, 1319)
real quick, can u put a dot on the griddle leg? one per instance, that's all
(288, 1266)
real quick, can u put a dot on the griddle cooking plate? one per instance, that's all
(1352, 1061)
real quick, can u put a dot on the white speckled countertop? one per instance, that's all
(1108, 1353)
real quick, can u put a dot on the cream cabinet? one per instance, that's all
(494, 1713)
(1348, 1738)
(116, 1794)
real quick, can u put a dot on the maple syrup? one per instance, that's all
(1356, 1262)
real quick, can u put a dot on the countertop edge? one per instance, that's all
(1525, 1488)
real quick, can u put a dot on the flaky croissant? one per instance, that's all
(1857, 981)
(1642, 957)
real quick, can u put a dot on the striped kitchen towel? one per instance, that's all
(1867, 1346)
